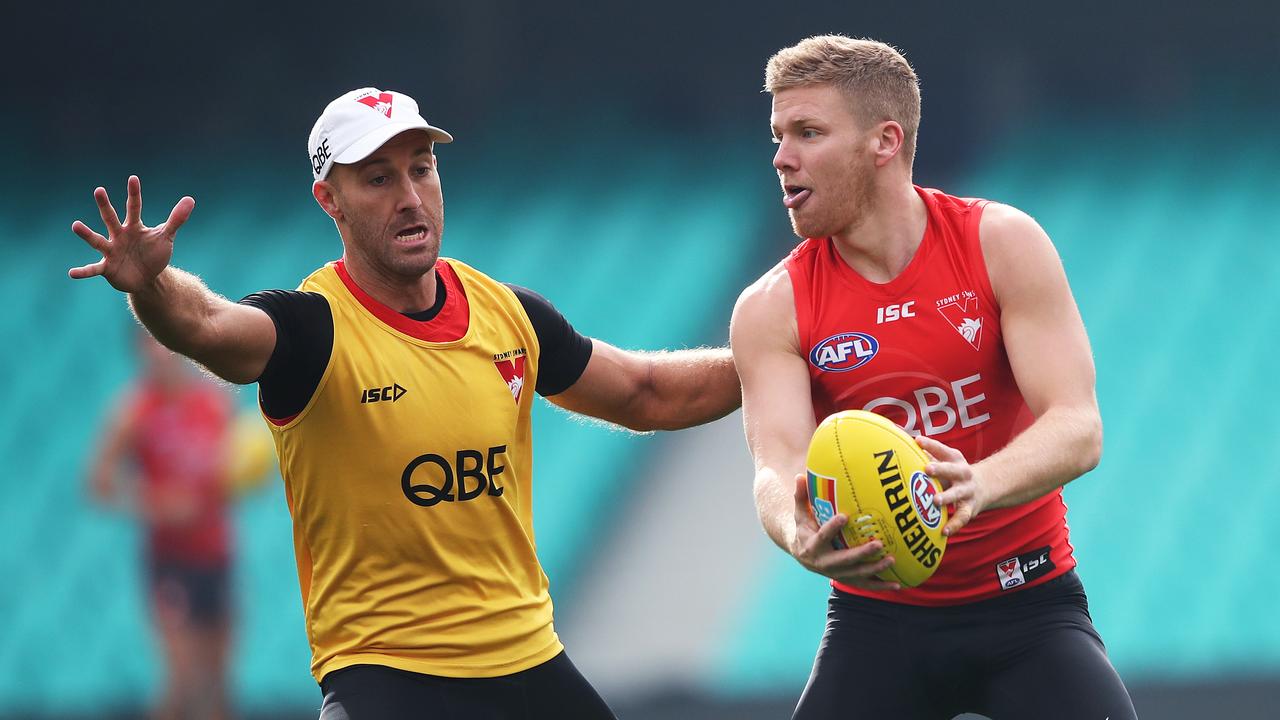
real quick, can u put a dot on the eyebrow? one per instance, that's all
(376, 158)
(797, 121)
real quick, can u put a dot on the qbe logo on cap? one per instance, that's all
(320, 157)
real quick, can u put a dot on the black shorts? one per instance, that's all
(202, 593)
(554, 689)
(1031, 654)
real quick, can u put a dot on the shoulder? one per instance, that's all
(293, 308)
(1003, 225)
(1016, 249)
(771, 289)
(132, 403)
(467, 274)
(321, 279)
(766, 306)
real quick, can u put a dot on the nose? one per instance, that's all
(408, 198)
(785, 159)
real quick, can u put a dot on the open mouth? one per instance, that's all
(793, 196)
(413, 233)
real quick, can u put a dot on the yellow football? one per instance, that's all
(863, 465)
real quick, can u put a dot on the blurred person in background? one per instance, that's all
(967, 334)
(398, 386)
(164, 457)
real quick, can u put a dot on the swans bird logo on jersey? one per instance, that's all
(844, 352)
(512, 371)
(961, 310)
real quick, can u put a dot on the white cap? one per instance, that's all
(359, 122)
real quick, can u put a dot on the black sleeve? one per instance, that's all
(304, 341)
(565, 351)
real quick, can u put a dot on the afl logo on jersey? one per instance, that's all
(843, 352)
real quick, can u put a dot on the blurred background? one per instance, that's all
(617, 160)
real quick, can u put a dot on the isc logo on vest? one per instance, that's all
(436, 476)
(844, 352)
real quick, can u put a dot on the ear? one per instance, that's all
(326, 195)
(887, 142)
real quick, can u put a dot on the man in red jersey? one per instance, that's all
(172, 430)
(952, 317)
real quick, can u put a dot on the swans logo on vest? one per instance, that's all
(510, 366)
(843, 352)
(961, 310)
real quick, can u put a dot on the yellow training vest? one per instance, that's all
(408, 477)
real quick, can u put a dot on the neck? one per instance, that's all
(400, 293)
(880, 246)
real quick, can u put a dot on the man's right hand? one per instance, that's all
(132, 253)
(813, 548)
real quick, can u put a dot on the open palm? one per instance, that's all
(132, 253)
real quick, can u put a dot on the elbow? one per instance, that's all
(651, 419)
(1091, 443)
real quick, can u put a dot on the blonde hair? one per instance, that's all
(874, 76)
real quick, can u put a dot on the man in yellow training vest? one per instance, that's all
(398, 386)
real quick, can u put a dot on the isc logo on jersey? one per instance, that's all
(844, 352)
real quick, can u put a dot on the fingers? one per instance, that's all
(801, 493)
(954, 495)
(867, 554)
(949, 474)
(830, 530)
(133, 201)
(179, 215)
(864, 571)
(96, 241)
(961, 517)
(108, 213)
(875, 583)
(88, 271)
(938, 450)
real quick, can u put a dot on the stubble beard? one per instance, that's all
(381, 253)
(851, 209)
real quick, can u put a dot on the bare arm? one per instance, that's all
(116, 440)
(654, 390)
(778, 417)
(1049, 352)
(233, 341)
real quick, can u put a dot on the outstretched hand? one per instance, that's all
(132, 253)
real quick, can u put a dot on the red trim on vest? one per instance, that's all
(447, 326)
(278, 422)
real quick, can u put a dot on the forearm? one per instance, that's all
(176, 308)
(775, 507)
(1060, 446)
(684, 388)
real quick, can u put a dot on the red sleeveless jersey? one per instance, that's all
(180, 449)
(925, 350)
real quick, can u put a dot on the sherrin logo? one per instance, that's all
(844, 352)
(922, 494)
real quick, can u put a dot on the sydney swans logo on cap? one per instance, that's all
(381, 103)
